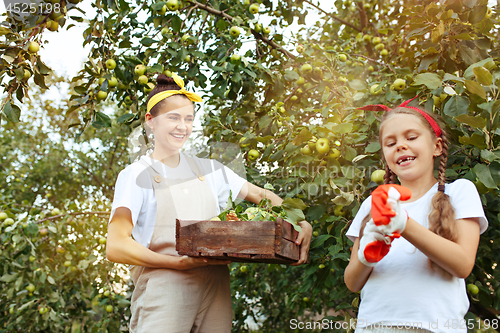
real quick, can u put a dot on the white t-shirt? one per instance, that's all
(133, 190)
(403, 289)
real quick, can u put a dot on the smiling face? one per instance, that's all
(409, 147)
(173, 125)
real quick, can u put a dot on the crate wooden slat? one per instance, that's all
(243, 241)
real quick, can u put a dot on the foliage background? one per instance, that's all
(67, 153)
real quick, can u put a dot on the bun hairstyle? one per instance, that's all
(163, 83)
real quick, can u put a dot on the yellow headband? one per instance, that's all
(164, 94)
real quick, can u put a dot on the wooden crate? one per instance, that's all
(243, 241)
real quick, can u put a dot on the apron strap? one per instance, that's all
(195, 167)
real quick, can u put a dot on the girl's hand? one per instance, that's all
(386, 210)
(304, 240)
(186, 262)
(373, 245)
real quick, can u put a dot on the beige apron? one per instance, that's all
(170, 301)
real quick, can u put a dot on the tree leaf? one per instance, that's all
(483, 75)
(9, 277)
(456, 106)
(357, 84)
(291, 76)
(475, 140)
(430, 80)
(486, 63)
(176, 23)
(318, 241)
(475, 88)
(373, 147)
(483, 173)
(293, 203)
(476, 122)
(12, 112)
(147, 41)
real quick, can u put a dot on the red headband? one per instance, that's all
(381, 107)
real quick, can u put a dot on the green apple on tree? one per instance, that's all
(401, 51)
(55, 212)
(33, 47)
(109, 308)
(3, 216)
(244, 142)
(112, 82)
(167, 73)
(140, 70)
(110, 64)
(334, 153)
(376, 40)
(149, 87)
(379, 47)
(8, 221)
(234, 31)
(143, 79)
(376, 89)
(322, 146)
(399, 84)
(235, 58)
(163, 10)
(60, 249)
(172, 5)
(306, 150)
(253, 154)
(43, 232)
(187, 58)
(27, 74)
(243, 269)
(30, 287)
(367, 38)
(101, 95)
(300, 48)
(473, 289)
(306, 68)
(258, 27)
(293, 98)
(339, 210)
(378, 176)
(342, 57)
(300, 81)
(384, 53)
(254, 8)
(266, 31)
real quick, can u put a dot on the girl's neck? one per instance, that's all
(419, 187)
(170, 158)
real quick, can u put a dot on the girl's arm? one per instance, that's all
(255, 194)
(356, 273)
(121, 248)
(457, 258)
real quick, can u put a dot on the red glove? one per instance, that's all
(374, 245)
(386, 211)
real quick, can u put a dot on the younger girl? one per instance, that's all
(418, 286)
